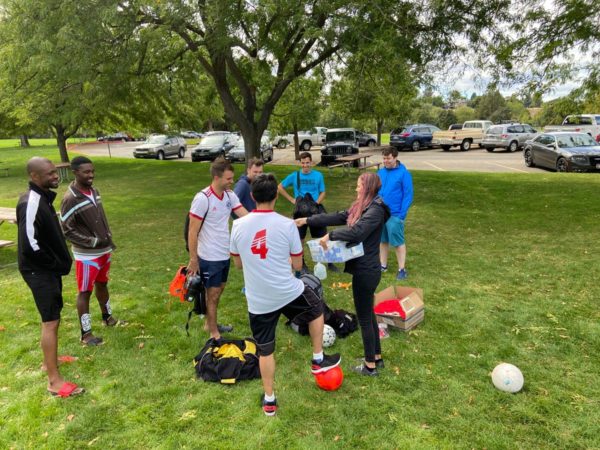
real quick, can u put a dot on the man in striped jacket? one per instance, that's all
(86, 227)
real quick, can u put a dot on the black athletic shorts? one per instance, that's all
(307, 306)
(47, 292)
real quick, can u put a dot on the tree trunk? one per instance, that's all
(24, 141)
(61, 140)
(251, 143)
(296, 143)
(379, 131)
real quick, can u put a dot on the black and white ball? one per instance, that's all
(328, 336)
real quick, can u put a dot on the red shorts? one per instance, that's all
(88, 272)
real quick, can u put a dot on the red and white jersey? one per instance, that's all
(214, 211)
(265, 240)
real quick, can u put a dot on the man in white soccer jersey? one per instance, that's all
(262, 244)
(208, 238)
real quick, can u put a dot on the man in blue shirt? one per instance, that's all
(311, 182)
(397, 192)
(242, 187)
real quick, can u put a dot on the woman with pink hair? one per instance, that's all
(364, 222)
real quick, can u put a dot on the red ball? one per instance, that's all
(330, 380)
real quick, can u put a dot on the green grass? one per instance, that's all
(507, 263)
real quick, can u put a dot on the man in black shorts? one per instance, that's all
(43, 260)
(262, 244)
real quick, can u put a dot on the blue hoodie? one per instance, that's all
(396, 189)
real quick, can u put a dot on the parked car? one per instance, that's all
(306, 139)
(471, 133)
(413, 137)
(280, 141)
(366, 139)
(213, 145)
(455, 126)
(238, 151)
(159, 146)
(580, 123)
(191, 134)
(338, 142)
(508, 137)
(121, 136)
(563, 152)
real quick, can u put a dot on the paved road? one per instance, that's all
(475, 160)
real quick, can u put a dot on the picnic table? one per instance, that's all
(348, 161)
(7, 215)
(63, 171)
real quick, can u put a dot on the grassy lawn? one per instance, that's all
(506, 262)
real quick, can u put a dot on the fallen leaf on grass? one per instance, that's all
(45, 434)
(70, 417)
(397, 370)
(141, 345)
(4, 389)
(93, 441)
(2, 328)
(337, 438)
(425, 426)
(188, 415)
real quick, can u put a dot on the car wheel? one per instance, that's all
(446, 148)
(490, 149)
(160, 155)
(528, 155)
(282, 144)
(562, 165)
(306, 145)
(181, 153)
(465, 145)
(371, 143)
(513, 146)
(416, 146)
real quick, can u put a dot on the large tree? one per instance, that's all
(254, 50)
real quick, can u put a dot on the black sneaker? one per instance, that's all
(328, 362)
(224, 328)
(364, 370)
(269, 408)
(333, 268)
(379, 364)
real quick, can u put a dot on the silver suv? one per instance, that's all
(160, 146)
(509, 137)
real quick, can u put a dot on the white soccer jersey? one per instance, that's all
(214, 211)
(265, 240)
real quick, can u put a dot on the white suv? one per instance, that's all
(509, 137)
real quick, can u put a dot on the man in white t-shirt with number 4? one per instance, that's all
(262, 244)
(208, 238)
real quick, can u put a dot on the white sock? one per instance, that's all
(270, 398)
(318, 357)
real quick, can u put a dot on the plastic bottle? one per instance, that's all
(320, 271)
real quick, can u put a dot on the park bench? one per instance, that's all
(340, 164)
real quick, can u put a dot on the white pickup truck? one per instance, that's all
(581, 123)
(316, 136)
(471, 133)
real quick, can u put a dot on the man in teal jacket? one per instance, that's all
(397, 192)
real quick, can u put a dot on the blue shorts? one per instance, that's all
(214, 273)
(393, 232)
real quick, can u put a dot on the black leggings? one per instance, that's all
(363, 289)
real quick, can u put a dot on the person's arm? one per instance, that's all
(297, 263)
(237, 261)
(326, 220)
(367, 224)
(407, 194)
(240, 211)
(28, 229)
(283, 192)
(74, 234)
(296, 247)
(321, 187)
(321, 198)
(194, 230)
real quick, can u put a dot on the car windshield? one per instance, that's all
(334, 136)
(575, 140)
(212, 140)
(156, 139)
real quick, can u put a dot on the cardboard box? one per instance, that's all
(337, 251)
(411, 300)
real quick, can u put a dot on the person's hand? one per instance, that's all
(323, 241)
(192, 268)
(293, 200)
(300, 221)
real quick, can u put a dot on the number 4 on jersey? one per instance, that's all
(259, 244)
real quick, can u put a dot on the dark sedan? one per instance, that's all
(413, 137)
(213, 145)
(563, 152)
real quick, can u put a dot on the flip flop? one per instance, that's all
(112, 322)
(94, 341)
(67, 390)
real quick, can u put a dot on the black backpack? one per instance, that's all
(227, 361)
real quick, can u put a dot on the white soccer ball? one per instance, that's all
(507, 378)
(328, 336)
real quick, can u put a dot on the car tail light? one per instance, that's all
(577, 129)
(405, 135)
(504, 136)
(598, 138)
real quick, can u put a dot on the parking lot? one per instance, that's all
(475, 160)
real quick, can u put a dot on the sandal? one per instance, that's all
(67, 390)
(91, 341)
(112, 322)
